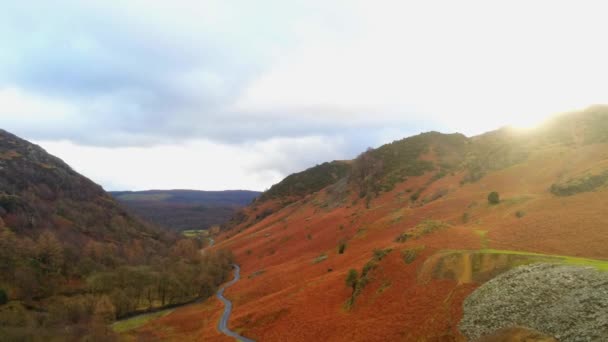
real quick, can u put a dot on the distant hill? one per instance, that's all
(185, 209)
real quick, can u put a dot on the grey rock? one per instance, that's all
(567, 302)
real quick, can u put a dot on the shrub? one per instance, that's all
(520, 214)
(584, 184)
(320, 258)
(423, 228)
(493, 198)
(3, 297)
(437, 195)
(341, 247)
(351, 278)
(369, 266)
(414, 197)
(409, 255)
(379, 254)
(404, 237)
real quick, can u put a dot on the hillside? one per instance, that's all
(73, 260)
(391, 248)
(185, 209)
(40, 192)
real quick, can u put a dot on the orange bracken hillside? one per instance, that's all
(414, 221)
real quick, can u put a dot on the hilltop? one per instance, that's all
(185, 209)
(389, 245)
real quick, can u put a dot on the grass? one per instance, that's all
(193, 233)
(137, 321)
(483, 235)
(423, 228)
(600, 265)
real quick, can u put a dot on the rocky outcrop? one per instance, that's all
(567, 302)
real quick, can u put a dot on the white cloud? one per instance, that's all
(468, 65)
(197, 164)
(22, 108)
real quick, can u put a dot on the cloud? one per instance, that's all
(471, 66)
(150, 73)
(291, 83)
(197, 164)
(147, 73)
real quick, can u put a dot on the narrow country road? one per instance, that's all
(223, 324)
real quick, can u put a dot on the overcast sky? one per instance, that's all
(238, 94)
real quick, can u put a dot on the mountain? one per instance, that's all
(72, 259)
(40, 192)
(388, 246)
(185, 209)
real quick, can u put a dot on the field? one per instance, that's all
(192, 233)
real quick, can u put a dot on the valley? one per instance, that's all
(272, 171)
(389, 246)
(183, 210)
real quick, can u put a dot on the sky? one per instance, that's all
(237, 94)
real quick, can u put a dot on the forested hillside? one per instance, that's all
(72, 259)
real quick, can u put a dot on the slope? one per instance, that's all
(412, 219)
(72, 259)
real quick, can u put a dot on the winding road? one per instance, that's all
(223, 324)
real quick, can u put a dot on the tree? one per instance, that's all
(185, 249)
(494, 198)
(49, 252)
(8, 254)
(351, 279)
(366, 173)
(122, 303)
(104, 311)
(3, 297)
